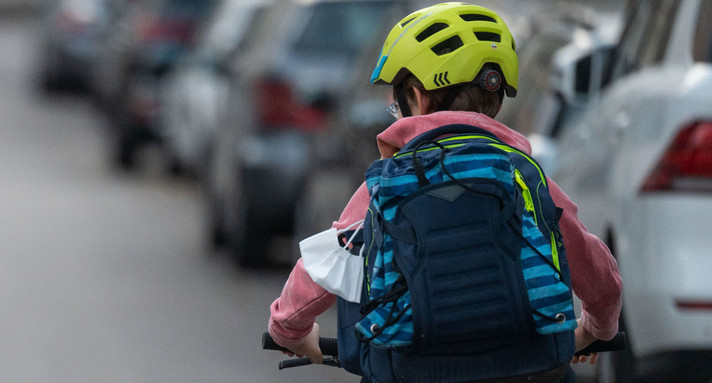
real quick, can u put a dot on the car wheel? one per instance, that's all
(604, 368)
(174, 167)
(50, 82)
(623, 362)
(246, 237)
(621, 366)
(126, 145)
(616, 367)
(216, 232)
(250, 249)
(217, 235)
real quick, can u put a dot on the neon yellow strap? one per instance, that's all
(526, 193)
(555, 252)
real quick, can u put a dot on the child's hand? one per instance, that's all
(310, 347)
(583, 339)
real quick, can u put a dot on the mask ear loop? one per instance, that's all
(358, 225)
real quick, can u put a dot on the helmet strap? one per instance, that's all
(402, 100)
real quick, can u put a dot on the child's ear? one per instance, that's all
(422, 102)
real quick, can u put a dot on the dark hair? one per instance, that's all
(471, 97)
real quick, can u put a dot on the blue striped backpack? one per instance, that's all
(466, 274)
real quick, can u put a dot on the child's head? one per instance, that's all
(450, 56)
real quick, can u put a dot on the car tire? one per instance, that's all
(250, 249)
(217, 235)
(605, 370)
(246, 237)
(616, 367)
(126, 144)
(621, 365)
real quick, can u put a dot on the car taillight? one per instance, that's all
(687, 163)
(278, 108)
(694, 305)
(154, 29)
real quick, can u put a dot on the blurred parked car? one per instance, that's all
(639, 164)
(194, 95)
(151, 37)
(71, 36)
(286, 83)
(116, 45)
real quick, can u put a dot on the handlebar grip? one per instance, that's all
(294, 363)
(328, 346)
(618, 343)
(269, 344)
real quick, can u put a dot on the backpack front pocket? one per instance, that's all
(464, 275)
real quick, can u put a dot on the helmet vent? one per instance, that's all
(477, 17)
(403, 24)
(447, 46)
(488, 36)
(431, 30)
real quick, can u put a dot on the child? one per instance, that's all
(454, 77)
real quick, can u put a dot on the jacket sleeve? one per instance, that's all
(294, 312)
(594, 272)
(292, 315)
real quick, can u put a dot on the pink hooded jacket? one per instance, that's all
(594, 272)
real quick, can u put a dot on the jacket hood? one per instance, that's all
(399, 133)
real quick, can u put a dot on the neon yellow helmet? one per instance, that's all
(448, 44)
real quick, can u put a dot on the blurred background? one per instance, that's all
(161, 159)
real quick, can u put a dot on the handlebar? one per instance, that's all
(329, 348)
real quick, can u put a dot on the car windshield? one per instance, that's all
(702, 50)
(340, 27)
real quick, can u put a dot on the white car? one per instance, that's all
(638, 162)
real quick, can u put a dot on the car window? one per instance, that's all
(702, 48)
(632, 38)
(341, 27)
(582, 82)
(226, 29)
(645, 37)
(658, 33)
(260, 25)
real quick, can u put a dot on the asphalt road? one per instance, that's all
(104, 276)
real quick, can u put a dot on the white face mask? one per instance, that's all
(332, 266)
